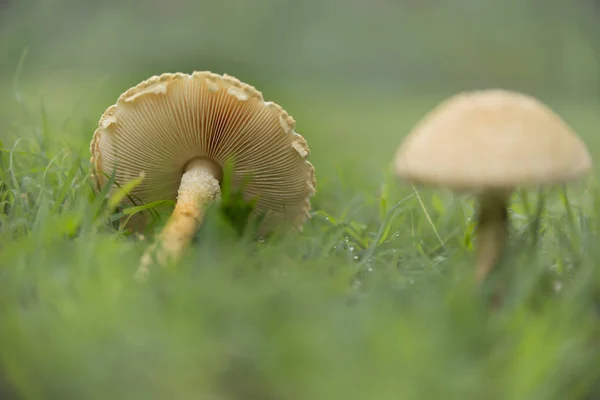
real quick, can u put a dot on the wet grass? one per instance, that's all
(373, 300)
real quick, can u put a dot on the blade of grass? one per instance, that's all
(382, 228)
(435, 231)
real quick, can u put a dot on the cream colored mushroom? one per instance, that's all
(489, 142)
(180, 130)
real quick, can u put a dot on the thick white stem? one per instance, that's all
(199, 187)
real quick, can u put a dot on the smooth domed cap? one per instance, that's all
(158, 126)
(491, 139)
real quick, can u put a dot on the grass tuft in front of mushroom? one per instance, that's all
(373, 299)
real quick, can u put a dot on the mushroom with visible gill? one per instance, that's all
(489, 142)
(180, 130)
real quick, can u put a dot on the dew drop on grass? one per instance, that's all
(356, 258)
(352, 248)
(558, 285)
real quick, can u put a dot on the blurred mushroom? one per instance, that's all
(489, 142)
(180, 130)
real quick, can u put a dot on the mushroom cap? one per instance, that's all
(491, 139)
(158, 126)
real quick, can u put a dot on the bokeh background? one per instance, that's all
(394, 46)
(356, 74)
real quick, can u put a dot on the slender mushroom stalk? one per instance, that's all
(492, 231)
(198, 189)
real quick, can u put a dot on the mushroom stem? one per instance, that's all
(198, 188)
(492, 231)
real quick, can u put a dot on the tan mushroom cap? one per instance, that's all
(491, 139)
(158, 126)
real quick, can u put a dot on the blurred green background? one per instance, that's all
(355, 74)
(393, 46)
(274, 321)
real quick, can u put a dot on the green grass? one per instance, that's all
(373, 300)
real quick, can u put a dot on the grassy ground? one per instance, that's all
(373, 300)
